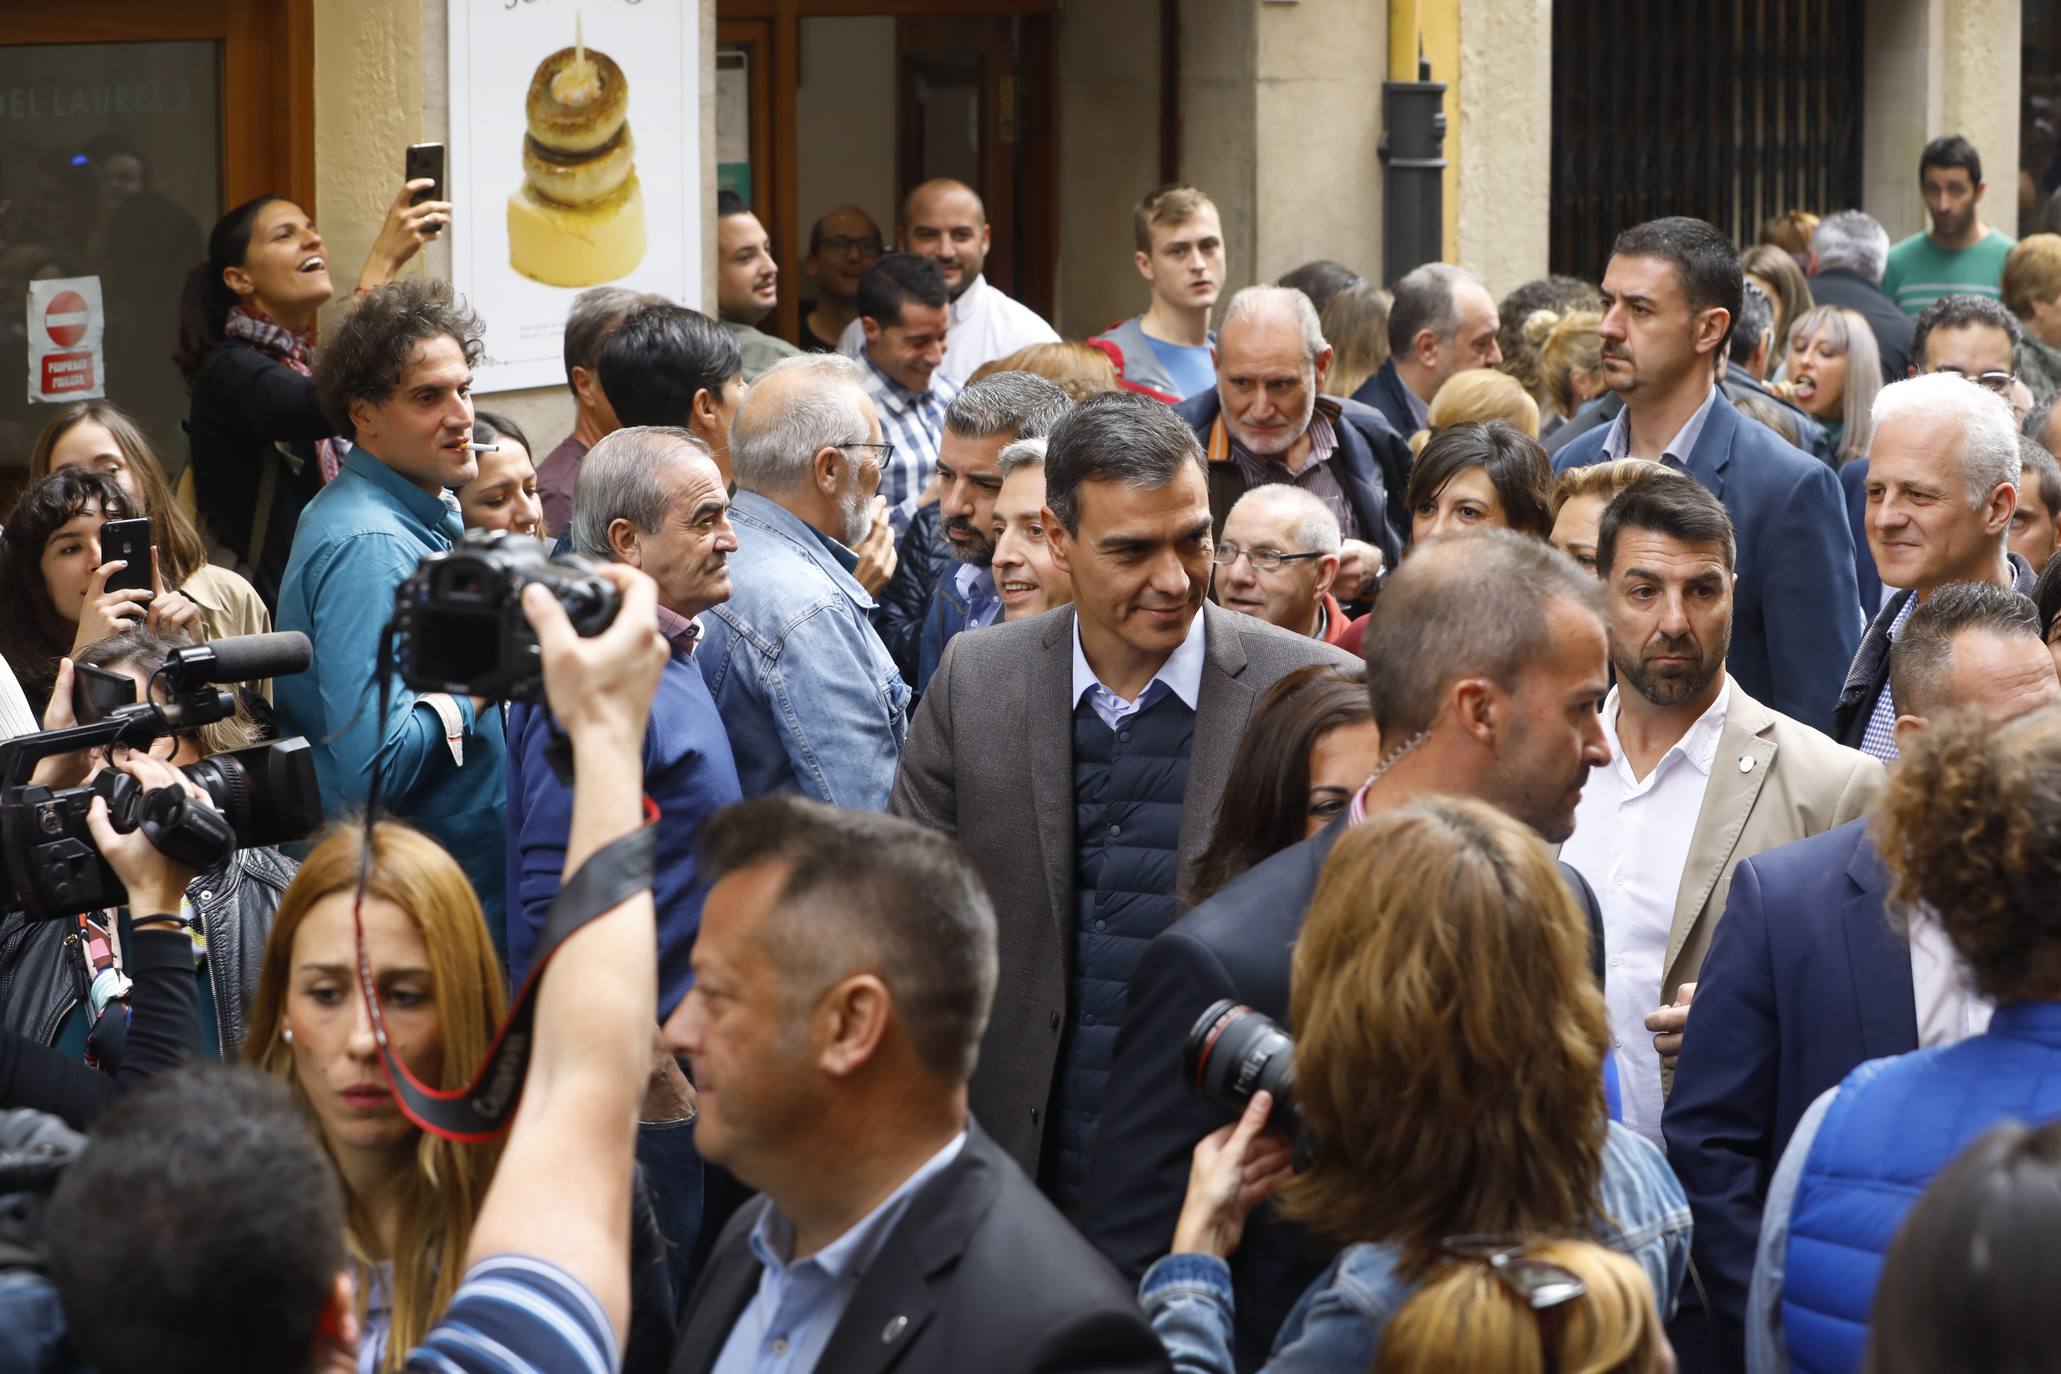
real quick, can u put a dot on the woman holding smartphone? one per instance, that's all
(262, 446)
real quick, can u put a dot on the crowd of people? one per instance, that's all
(1592, 760)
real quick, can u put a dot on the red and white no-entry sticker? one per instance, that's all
(66, 317)
(66, 326)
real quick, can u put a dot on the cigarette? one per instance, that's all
(484, 448)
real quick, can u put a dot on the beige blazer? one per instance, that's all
(1774, 781)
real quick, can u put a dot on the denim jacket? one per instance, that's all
(1337, 1324)
(811, 699)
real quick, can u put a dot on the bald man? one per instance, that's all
(945, 221)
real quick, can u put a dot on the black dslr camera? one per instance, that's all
(458, 621)
(1234, 1052)
(267, 794)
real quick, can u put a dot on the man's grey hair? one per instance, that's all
(1314, 529)
(1921, 658)
(1989, 435)
(1853, 239)
(1116, 436)
(623, 478)
(1424, 299)
(774, 438)
(1024, 453)
(869, 893)
(1021, 405)
(1257, 303)
(594, 313)
(1467, 605)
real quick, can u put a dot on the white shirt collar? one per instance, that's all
(970, 299)
(1698, 744)
(1182, 671)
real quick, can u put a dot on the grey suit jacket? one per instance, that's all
(989, 759)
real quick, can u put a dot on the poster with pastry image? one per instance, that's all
(574, 161)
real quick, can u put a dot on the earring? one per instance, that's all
(287, 1035)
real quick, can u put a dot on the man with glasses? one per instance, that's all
(808, 693)
(1941, 487)
(842, 245)
(1278, 559)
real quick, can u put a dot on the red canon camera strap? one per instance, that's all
(482, 1109)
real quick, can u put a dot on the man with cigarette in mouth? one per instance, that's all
(396, 376)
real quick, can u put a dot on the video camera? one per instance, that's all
(267, 794)
(458, 621)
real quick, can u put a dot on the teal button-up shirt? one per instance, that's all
(357, 540)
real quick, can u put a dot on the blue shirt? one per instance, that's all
(912, 422)
(1181, 674)
(976, 587)
(357, 540)
(812, 700)
(789, 1321)
(1191, 366)
(518, 1315)
(1675, 454)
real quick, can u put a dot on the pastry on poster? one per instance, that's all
(578, 218)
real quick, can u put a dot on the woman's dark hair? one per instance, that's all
(33, 636)
(1967, 1281)
(1266, 804)
(2046, 596)
(205, 306)
(1517, 468)
(1321, 280)
(489, 425)
(659, 358)
(365, 356)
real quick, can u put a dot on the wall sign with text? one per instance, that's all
(575, 161)
(66, 325)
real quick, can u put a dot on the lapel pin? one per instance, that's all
(893, 1329)
(1746, 763)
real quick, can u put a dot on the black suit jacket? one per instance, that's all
(1388, 393)
(1892, 328)
(1239, 944)
(980, 1274)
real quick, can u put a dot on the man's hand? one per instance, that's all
(600, 688)
(1235, 1167)
(876, 551)
(1667, 1024)
(1359, 569)
(156, 884)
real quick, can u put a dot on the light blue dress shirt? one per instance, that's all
(788, 1323)
(1181, 674)
(976, 587)
(1677, 450)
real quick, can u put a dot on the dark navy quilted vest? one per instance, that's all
(1127, 790)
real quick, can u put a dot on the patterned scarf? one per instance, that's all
(268, 336)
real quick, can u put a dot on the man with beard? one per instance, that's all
(747, 284)
(981, 421)
(1959, 255)
(810, 698)
(1701, 775)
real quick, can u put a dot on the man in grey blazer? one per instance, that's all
(1079, 757)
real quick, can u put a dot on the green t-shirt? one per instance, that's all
(1920, 271)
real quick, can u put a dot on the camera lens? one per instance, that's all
(1234, 1052)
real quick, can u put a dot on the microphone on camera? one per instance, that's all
(243, 658)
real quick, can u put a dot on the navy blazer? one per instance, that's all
(1796, 614)
(1806, 979)
(1386, 392)
(1853, 484)
(1373, 465)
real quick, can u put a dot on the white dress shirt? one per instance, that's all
(1181, 674)
(1631, 841)
(1949, 1008)
(986, 325)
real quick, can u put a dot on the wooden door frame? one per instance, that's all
(267, 75)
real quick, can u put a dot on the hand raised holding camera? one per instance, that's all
(156, 883)
(601, 687)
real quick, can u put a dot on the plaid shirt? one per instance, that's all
(1315, 477)
(912, 422)
(1879, 739)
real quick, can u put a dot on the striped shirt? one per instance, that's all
(1316, 476)
(912, 422)
(514, 1314)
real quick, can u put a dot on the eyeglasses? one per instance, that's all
(886, 451)
(838, 245)
(1998, 382)
(1541, 1286)
(1264, 560)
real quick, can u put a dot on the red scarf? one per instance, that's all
(269, 337)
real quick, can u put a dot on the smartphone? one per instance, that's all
(426, 160)
(96, 692)
(128, 540)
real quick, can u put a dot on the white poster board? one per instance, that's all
(66, 327)
(574, 161)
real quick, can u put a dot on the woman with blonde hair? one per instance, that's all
(1477, 396)
(412, 1197)
(1579, 496)
(1570, 353)
(1356, 326)
(1423, 1116)
(1547, 1307)
(1834, 373)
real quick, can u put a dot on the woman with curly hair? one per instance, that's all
(1970, 831)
